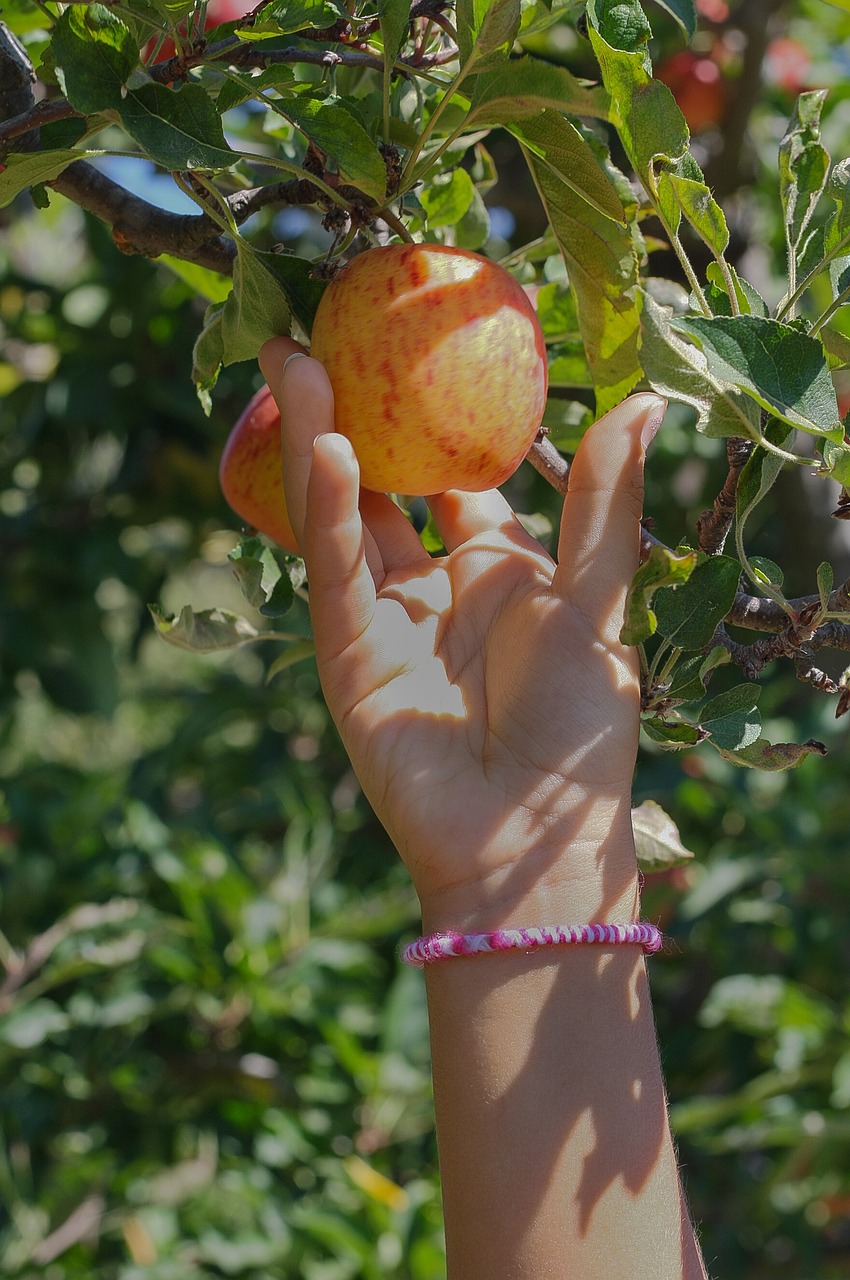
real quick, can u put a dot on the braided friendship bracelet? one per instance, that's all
(443, 946)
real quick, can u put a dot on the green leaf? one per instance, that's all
(661, 568)
(650, 125)
(685, 684)
(208, 630)
(526, 86)
(571, 159)
(836, 461)
(295, 276)
(680, 371)
(208, 355)
(782, 369)
(717, 657)
(759, 474)
(472, 231)
(837, 347)
(699, 207)
(622, 24)
(447, 198)
(836, 239)
(256, 310)
(750, 301)
(177, 128)
(281, 598)
(684, 12)
(767, 572)
(94, 54)
(395, 21)
(601, 257)
(207, 284)
(825, 580)
(240, 87)
(773, 757)
(294, 15)
(297, 651)
(335, 131)
(18, 172)
(174, 11)
(689, 615)
(732, 719)
(672, 735)
(568, 366)
(486, 27)
(250, 566)
(657, 839)
(803, 168)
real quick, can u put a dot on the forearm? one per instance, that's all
(555, 1152)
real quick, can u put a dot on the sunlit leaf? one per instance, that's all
(657, 839)
(176, 128)
(94, 54)
(681, 371)
(661, 568)
(782, 369)
(208, 630)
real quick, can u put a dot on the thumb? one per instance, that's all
(599, 545)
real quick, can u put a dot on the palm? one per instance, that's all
(481, 708)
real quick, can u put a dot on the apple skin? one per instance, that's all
(249, 471)
(438, 367)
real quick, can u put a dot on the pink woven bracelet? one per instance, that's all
(442, 946)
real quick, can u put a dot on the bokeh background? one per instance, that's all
(212, 1062)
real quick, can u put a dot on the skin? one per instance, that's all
(491, 716)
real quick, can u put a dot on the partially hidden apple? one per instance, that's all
(438, 367)
(249, 471)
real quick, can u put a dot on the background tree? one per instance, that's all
(216, 1065)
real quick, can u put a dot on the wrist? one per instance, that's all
(578, 886)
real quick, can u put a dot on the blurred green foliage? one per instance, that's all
(212, 1062)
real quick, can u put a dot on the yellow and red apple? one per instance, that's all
(438, 367)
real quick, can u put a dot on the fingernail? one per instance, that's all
(296, 355)
(652, 421)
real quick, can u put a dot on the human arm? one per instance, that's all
(490, 713)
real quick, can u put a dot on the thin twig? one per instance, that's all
(551, 464)
(42, 113)
(714, 524)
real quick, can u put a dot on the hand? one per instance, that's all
(488, 708)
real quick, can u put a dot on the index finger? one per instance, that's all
(305, 400)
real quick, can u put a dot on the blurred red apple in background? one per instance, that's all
(787, 64)
(696, 82)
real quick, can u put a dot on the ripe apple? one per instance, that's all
(697, 84)
(438, 366)
(249, 471)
